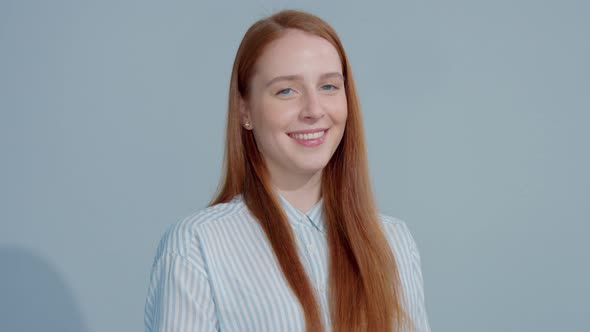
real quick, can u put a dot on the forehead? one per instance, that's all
(298, 52)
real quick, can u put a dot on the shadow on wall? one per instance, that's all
(33, 297)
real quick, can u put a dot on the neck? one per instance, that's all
(302, 191)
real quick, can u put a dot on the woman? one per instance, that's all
(293, 240)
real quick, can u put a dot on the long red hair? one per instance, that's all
(364, 285)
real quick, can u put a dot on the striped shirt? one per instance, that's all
(216, 271)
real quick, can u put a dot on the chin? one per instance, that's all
(311, 168)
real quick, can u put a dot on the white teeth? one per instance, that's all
(308, 136)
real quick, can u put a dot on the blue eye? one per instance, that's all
(282, 92)
(330, 86)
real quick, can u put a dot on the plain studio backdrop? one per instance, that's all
(476, 116)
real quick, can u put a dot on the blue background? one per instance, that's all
(476, 113)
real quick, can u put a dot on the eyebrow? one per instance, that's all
(300, 78)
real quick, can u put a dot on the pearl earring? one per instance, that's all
(247, 124)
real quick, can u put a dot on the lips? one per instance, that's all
(308, 131)
(308, 135)
(315, 138)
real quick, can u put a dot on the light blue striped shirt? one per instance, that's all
(215, 271)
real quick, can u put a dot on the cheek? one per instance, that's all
(272, 119)
(277, 116)
(339, 111)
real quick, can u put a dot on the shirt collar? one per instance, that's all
(315, 215)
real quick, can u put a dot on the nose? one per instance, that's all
(312, 107)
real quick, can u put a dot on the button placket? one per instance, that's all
(313, 255)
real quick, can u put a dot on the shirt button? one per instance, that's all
(310, 247)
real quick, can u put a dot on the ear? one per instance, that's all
(243, 108)
(244, 112)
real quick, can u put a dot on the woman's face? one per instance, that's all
(297, 87)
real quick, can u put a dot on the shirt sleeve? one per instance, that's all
(416, 296)
(179, 297)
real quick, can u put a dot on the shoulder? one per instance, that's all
(397, 230)
(181, 237)
(409, 267)
(390, 220)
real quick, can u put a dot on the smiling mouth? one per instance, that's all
(309, 136)
(310, 140)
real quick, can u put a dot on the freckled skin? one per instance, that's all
(288, 106)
